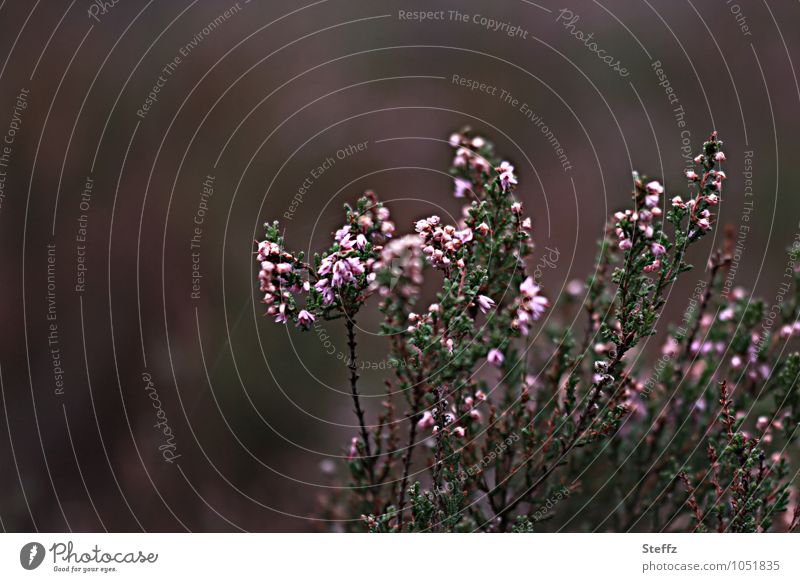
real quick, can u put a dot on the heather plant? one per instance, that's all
(506, 414)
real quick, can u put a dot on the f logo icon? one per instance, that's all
(31, 555)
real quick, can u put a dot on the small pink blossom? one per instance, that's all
(461, 186)
(426, 421)
(485, 303)
(495, 357)
(655, 188)
(305, 318)
(507, 177)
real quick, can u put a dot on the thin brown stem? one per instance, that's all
(353, 366)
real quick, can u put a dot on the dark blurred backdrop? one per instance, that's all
(116, 117)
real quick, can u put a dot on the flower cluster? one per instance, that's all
(443, 245)
(530, 306)
(339, 280)
(686, 452)
(280, 279)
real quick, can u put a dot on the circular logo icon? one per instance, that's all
(31, 555)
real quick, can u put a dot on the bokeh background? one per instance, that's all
(264, 93)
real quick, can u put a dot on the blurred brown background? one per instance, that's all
(262, 94)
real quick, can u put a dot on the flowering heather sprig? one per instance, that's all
(510, 425)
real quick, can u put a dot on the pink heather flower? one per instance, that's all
(462, 186)
(353, 453)
(361, 241)
(575, 287)
(464, 236)
(283, 268)
(448, 344)
(485, 303)
(455, 139)
(426, 421)
(726, 314)
(516, 208)
(762, 423)
(347, 243)
(495, 357)
(657, 249)
(426, 224)
(704, 224)
(483, 228)
(526, 224)
(529, 287)
(459, 432)
(712, 199)
(651, 200)
(323, 286)
(507, 177)
(342, 232)
(653, 266)
(719, 156)
(670, 347)
(699, 159)
(305, 318)
(625, 244)
(654, 188)
(280, 317)
(533, 304)
(346, 270)
(478, 142)
(691, 175)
